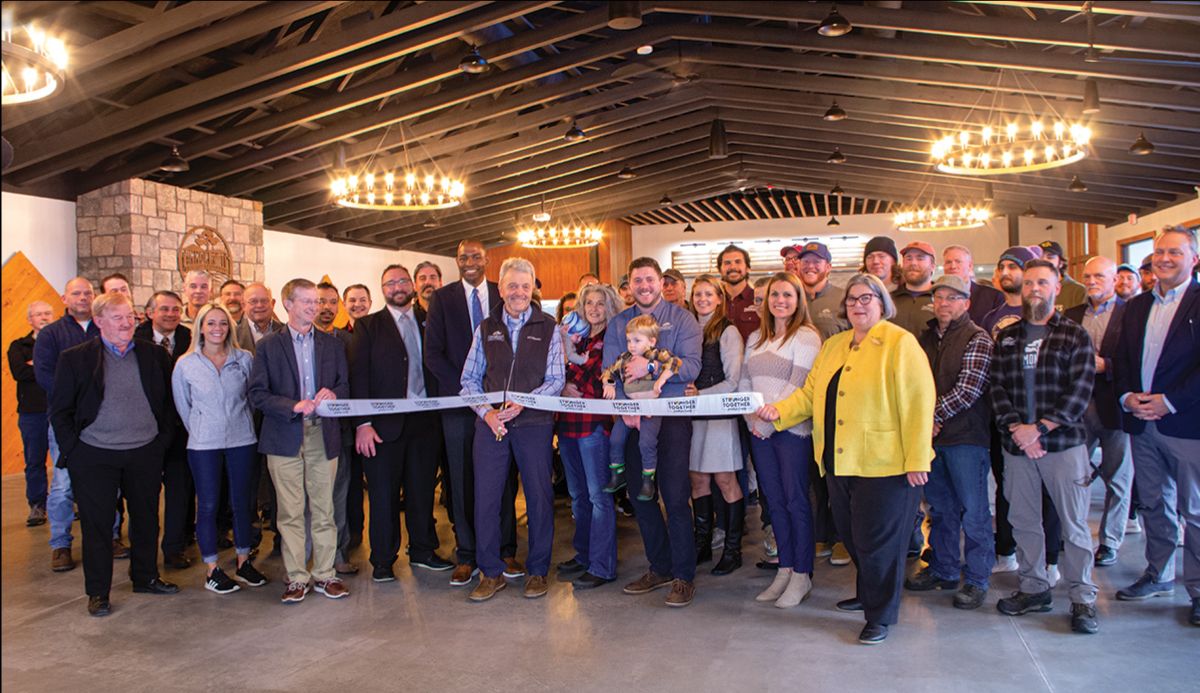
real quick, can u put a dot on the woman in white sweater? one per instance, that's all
(716, 450)
(778, 358)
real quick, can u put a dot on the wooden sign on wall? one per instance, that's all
(203, 248)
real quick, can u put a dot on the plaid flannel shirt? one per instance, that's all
(586, 377)
(971, 383)
(1066, 369)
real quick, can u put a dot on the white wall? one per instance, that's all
(1107, 238)
(44, 230)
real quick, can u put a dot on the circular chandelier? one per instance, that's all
(34, 63)
(408, 191)
(559, 237)
(941, 217)
(1011, 149)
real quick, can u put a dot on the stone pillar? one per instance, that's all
(136, 226)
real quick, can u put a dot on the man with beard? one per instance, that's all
(914, 300)
(1128, 284)
(675, 288)
(428, 279)
(1072, 293)
(1146, 272)
(625, 292)
(230, 296)
(1010, 271)
(880, 259)
(357, 299)
(197, 289)
(958, 261)
(455, 312)
(327, 309)
(734, 265)
(387, 363)
(1041, 385)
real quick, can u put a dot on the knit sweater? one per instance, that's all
(776, 369)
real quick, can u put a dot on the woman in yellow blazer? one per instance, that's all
(870, 394)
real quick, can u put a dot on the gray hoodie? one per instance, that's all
(213, 405)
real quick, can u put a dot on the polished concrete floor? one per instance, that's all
(420, 634)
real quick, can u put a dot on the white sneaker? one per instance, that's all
(1134, 526)
(718, 538)
(1052, 574)
(1005, 564)
(769, 543)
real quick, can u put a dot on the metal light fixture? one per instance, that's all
(837, 189)
(431, 222)
(689, 228)
(666, 200)
(474, 63)
(833, 220)
(718, 144)
(1029, 211)
(990, 152)
(1091, 96)
(624, 16)
(834, 24)
(541, 216)
(1090, 56)
(626, 173)
(941, 217)
(574, 134)
(1077, 185)
(837, 157)
(989, 193)
(34, 63)
(560, 237)
(835, 113)
(645, 49)
(1141, 146)
(174, 163)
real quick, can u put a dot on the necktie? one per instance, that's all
(476, 309)
(165, 344)
(412, 342)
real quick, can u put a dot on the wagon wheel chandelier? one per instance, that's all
(378, 188)
(559, 236)
(34, 62)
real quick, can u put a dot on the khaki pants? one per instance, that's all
(307, 477)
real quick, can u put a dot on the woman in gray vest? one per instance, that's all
(209, 384)
(716, 449)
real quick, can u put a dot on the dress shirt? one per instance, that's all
(483, 296)
(1095, 319)
(406, 322)
(306, 358)
(170, 339)
(1162, 312)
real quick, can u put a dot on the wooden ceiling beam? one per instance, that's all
(1126, 8)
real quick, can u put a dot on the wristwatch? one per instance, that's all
(1041, 428)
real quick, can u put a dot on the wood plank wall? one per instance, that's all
(559, 270)
(22, 285)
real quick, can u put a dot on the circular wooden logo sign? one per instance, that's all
(203, 248)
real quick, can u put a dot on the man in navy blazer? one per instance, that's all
(1100, 315)
(1158, 381)
(386, 363)
(294, 371)
(455, 311)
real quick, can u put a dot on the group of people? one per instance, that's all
(894, 393)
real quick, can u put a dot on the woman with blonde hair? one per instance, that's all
(716, 453)
(210, 384)
(869, 399)
(778, 359)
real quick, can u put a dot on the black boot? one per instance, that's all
(616, 479)
(731, 557)
(702, 513)
(647, 492)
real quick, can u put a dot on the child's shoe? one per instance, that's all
(647, 492)
(616, 480)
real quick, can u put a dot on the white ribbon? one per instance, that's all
(701, 405)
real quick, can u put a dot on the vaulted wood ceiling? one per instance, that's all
(259, 95)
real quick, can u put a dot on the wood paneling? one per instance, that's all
(22, 285)
(559, 270)
(616, 250)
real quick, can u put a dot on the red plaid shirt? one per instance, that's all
(587, 379)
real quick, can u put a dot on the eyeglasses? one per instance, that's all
(862, 300)
(952, 298)
(396, 282)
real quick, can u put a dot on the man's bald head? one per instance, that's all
(1100, 279)
(77, 297)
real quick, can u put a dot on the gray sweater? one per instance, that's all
(125, 421)
(213, 405)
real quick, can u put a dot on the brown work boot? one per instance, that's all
(61, 560)
(463, 572)
(487, 588)
(681, 593)
(120, 550)
(647, 583)
(535, 586)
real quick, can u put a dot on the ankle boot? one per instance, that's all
(703, 524)
(647, 491)
(615, 479)
(777, 586)
(731, 557)
(798, 588)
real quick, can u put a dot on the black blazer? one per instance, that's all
(79, 392)
(275, 388)
(183, 338)
(1103, 392)
(1177, 374)
(448, 336)
(379, 367)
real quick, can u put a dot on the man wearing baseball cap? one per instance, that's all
(791, 258)
(1128, 284)
(914, 298)
(960, 354)
(1146, 271)
(1072, 293)
(624, 290)
(674, 288)
(813, 265)
(880, 259)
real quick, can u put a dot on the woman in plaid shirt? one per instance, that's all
(583, 443)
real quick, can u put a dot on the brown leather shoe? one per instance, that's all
(333, 588)
(295, 592)
(513, 568)
(647, 583)
(120, 550)
(463, 572)
(487, 588)
(681, 593)
(345, 568)
(535, 586)
(61, 560)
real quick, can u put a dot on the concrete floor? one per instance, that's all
(420, 634)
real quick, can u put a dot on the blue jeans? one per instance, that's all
(782, 462)
(35, 439)
(648, 429)
(60, 502)
(957, 493)
(585, 462)
(207, 468)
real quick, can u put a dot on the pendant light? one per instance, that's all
(1141, 146)
(837, 189)
(1077, 186)
(626, 173)
(174, 163)
(989, 193)
(834, 24)
(624, 16)
(833, 221)
(474, 63)
(689, 228)
(837, 157)
(718, 144)
(835, 113)
(1091, 96)
(1029, 211)
(666, 200)
(574, 134)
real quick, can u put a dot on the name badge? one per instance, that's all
(496, 337)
